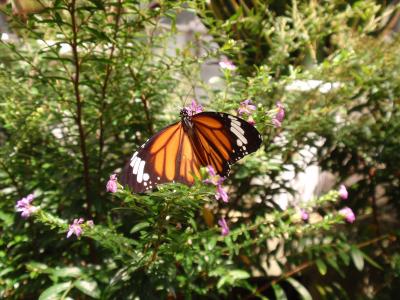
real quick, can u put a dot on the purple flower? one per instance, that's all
(343, 192)
(304, 214)
(194, 108)
(90, 223)
(227, 64)
(280, 115)
(224, 227)
(246, 107)
(348, 214)
(216, 180)
(221, 194)
(75, 228)
(112, 184)
(24, 206)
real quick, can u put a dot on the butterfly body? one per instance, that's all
(176, 153)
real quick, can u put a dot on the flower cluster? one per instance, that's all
(227, 65)
(194, 108)
(279, 116)
(224, 227)
(217, 180)
(76, 228)
(112, 185)
(346, 212)
(247, 107)
(24, 206)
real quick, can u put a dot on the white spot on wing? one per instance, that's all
(136, 166)
(146, 176)
(236, 122)
(239, 143)
(140, 171)
(239, 135)
(133, 161)
(238, 128)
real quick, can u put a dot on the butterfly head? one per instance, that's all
(186, 118)
(184, 113)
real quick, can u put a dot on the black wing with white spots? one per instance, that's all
(224, 139)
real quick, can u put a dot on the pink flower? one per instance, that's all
(304, 214)
(112, 185)
(251, 121)
(348, 214)
(246, 107)
(194, 108)
(280, 115)
(75, 228)
(343, 192)
(227, 64)
(221, 194)
(24, 206)
(216, 180)
(224, 227)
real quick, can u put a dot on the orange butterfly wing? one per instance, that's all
(167, 157)
(224, 138)
(173, 154)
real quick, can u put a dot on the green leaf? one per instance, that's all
(358, 258)
(90, 288)
(279, 292)
(38, 267)
(67, 272)
(304, 293)
(322, 268)
(52, 292)
(239, 274)
(139, 227)
(371, 261)
(333, 263)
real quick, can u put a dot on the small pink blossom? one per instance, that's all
(24, 206)
(246, 107)
(227, 64)
(343, 192)
(279, 116)
(224, 227)
(304, 214)
(348, 214)
(112, 185)
(251, 121)
(216, 180)
(194, 108)
(221, 194)
(75, 228)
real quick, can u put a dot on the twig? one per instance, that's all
(12, 178)
(103, 102)
(308, 264)
(79, 105)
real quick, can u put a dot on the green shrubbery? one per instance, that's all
(89, 81)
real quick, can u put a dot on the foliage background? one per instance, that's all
(89, 81)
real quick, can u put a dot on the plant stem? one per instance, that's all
(310, 263)
(79, 105)
(104, 87)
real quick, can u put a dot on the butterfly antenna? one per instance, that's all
(187, 95)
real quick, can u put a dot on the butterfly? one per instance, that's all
(177, 152)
